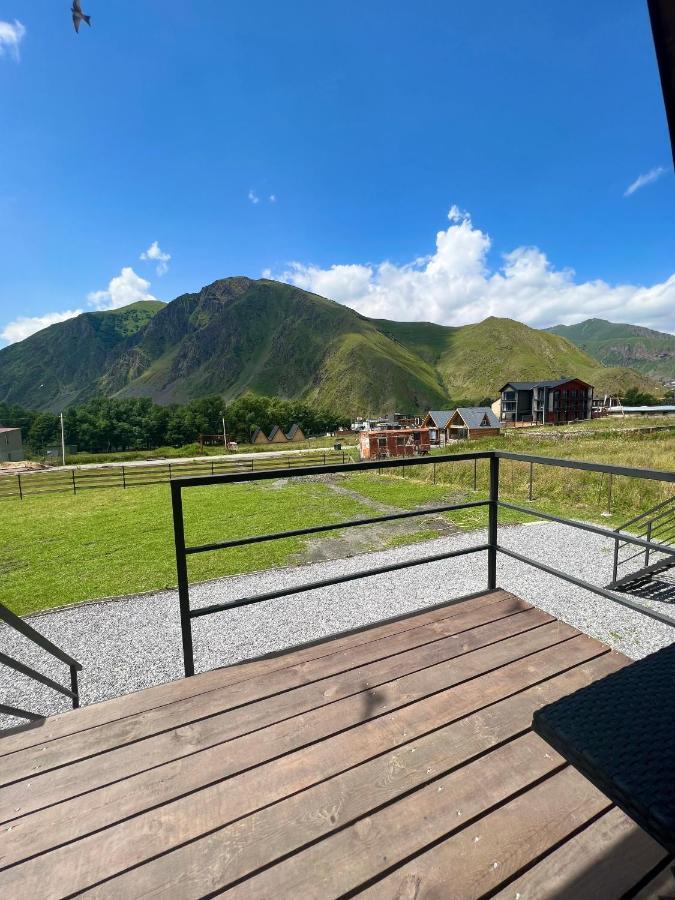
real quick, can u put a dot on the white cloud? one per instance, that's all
(10, 38)
(23, 326)
(272, 198)
(155, 252)
(455, 286)
(123, 289)
(253, 197)
(648, 178)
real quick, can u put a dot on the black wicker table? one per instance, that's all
(620, 733)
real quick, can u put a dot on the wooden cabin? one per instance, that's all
(469, 422)
(277, 436)
(296, 433)
(259, 437)
(395, 442)
(438, 423)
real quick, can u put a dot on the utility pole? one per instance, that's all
(63, 442)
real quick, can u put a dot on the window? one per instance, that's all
(509, 395)
(400, 441)
(381, 442)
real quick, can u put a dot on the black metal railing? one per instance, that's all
(18, 624)
(657, 525)
(491, 546)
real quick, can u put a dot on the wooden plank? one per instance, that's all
(117, 708)
(244, 715)
(661, 887)
(477, 859)
(106, 853)
(368, 702)
(605, 860)
(256, 841)
(360, 852)
(82, 815)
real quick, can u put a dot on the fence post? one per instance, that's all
(169, 471)
(212, 467)
(183, 585)
(529, 493)
(343, 457)
(74, 688)
(72, 472)
(124, 478)
(20, 488)
(493, 517)
(324, 457)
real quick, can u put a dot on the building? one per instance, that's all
(469, 422)
(391, 443)
(259, 437)
(11, 448)
(277, 436)
(561, 400)
(296, 433)
(438, 421)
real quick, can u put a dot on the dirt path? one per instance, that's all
(353, 541)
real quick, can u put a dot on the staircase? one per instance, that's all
(648, 575)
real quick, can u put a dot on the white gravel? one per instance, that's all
(134, 642)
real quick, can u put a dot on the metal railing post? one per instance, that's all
(493, 515)
(182, 574)
(649, 537)
(615, 567)
(74, 688)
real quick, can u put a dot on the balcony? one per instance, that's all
(396, 760)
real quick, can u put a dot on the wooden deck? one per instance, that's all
(393, 762)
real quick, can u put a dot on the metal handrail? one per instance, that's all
(18, 624)
(492, 546)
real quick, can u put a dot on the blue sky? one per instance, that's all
(367, 123)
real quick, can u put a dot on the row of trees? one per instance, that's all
(106, 424)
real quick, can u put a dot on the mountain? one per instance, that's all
(650, 352)
(55, 367)
(239, 335)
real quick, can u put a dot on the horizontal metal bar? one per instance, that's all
(647, 512)
(36, 676)
(579, 582)
(585, 526)
(278, 535)
(328, 582)
(28, 631)
(20, 713)
(295, 471)
(627, 471)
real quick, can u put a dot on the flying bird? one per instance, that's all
(78, 16)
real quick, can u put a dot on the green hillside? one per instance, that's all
(56, 367)
(238, 335)
(650, 352)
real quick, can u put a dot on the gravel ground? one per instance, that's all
(134, 642)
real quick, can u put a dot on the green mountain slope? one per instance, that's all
(650, 352)
(238, 335)
(56, 367)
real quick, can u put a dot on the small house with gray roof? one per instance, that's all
(438, 421)
(468, 422)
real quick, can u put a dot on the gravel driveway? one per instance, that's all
(134, 642)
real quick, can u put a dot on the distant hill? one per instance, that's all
(650, 352)
(238, 335)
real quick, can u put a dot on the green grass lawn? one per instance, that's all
(59, 549)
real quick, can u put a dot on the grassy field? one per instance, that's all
(59, 549)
